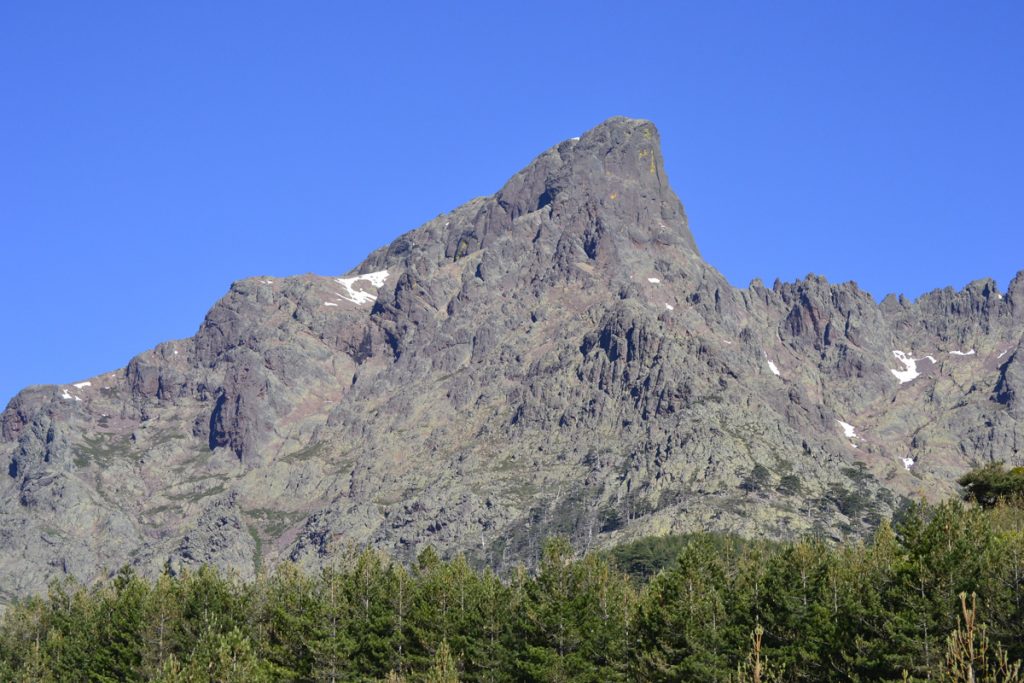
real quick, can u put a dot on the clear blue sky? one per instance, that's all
(152, 152)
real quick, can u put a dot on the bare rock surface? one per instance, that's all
(555, 358)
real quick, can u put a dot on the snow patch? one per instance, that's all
(82, 384)
(359, 297)
(908, 463)
(66, 395)
(772, 366)
(962, 353)
(909, 371)
(848, 429)
(653, 280)
(330, 303)
(1002, 354)
(932, 359)
(574, 139)
(670, 307)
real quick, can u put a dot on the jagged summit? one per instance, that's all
(596, 197)
(555, 358)
(614, 171)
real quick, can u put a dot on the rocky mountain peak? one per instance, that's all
(553, 359)
(591, 199)
(615, 173)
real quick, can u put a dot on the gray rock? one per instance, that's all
(555, 358)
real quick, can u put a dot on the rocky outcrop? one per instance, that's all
(555, 358)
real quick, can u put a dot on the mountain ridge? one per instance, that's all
(554, 358)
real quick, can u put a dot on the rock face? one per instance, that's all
(556, 358)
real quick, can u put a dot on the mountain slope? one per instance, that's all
(555, 358)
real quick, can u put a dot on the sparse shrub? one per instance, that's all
(790, 485)
(758, 479)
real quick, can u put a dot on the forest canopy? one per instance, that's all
(720, 610)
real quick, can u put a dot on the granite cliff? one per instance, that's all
(555, 358)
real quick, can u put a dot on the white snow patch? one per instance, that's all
(932, 359)
(574, 139)
(774, 369)
(848, 429)
(268, 282)
(66, 394)
(359, 297)
(727, 342)
(962, 353)
(1000, 296)
(330, 303)
(78, 398)
(653, 280)
(82, 384)
(1002, 354)
(908, 463)
(670, 307)
(910, 367)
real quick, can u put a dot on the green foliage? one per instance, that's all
(646, 557)
(790, 485)
(757, 479)
(993, 484)
(444, 669)
(969, 656)
(682, 620)
(699, 607)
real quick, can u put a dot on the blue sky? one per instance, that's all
(154, 152)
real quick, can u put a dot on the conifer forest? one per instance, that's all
(938, 595)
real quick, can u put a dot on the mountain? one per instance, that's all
(554, 359)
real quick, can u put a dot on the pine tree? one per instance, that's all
(969, 656)
(161, 620)
(35, 667)
(756, 668)
(225, 657)
(293, 613)
(606, 605)
(487, 656)
(946, 550)
(368, 586)
(119, 618)
(444, 668)
(554, 637)
(682, 621)
(331, 642)
(797, 613)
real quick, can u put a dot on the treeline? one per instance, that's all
(722, 610)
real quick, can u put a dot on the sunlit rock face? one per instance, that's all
(554, 359)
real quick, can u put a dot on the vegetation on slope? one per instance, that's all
(993, 484)
(940, 596)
